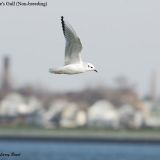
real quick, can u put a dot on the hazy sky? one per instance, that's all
(118, 37)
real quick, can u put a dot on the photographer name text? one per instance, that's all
(12, 154)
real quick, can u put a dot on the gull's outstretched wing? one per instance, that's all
(73, 44)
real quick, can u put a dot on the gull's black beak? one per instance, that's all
(95, 70)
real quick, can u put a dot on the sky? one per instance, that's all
(120, 37)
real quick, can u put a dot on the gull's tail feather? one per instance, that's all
(51, 70)
(55, 71)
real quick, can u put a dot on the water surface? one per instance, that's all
(78, 151)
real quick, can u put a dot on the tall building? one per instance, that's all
(153, 86)
(6, 77)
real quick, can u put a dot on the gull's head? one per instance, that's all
(91, 67)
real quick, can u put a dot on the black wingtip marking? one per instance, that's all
(63, 24)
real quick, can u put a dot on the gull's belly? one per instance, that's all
(72, 69)
(69, 69)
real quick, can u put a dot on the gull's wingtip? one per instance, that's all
(63, 25)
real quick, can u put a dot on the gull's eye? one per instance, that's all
(91, 67)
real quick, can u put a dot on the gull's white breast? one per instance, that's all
(69, 69)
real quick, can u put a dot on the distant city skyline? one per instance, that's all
(119, 37)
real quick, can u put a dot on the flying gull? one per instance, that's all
(73, 62)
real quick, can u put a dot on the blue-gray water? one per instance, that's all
(78, 151)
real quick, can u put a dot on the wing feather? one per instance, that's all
(73, 44)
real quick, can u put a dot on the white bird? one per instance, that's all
(73, 61)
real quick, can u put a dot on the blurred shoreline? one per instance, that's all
(78, 140)
(146, 136)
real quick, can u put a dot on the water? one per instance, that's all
(78, 151)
